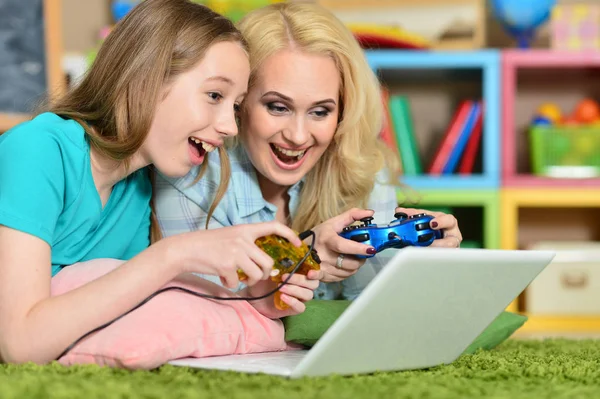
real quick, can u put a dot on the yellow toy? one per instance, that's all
(551, 112)
(286, 257)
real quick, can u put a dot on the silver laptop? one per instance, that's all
(423, 309)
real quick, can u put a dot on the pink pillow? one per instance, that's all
(172, 325)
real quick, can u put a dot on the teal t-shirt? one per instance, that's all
(47, 190)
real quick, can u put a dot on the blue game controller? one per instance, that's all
(403, 232)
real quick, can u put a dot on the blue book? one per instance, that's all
(463, 139)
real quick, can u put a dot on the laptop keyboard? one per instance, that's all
(280, 363)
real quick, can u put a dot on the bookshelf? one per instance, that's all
(478, 73)
(50, 57)
(517, 204)
(562, 78)
(459, 24)
(516, 207)
(488, 201)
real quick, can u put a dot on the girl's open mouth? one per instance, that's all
(198, 150)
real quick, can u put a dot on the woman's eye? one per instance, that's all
(279, 109)
(321, 113)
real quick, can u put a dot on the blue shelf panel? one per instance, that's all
(393, 59)
(452, 182)
(489, 62)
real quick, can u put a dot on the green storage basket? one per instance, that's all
(567, 152)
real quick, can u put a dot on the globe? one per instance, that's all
(520, 18)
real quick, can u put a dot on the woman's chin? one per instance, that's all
(284, 178)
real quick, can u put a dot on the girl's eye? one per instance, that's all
(236, 107)
(278, 109)
(215, 96)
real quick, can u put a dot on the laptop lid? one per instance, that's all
(423, 309)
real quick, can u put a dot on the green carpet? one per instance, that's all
(516, 369)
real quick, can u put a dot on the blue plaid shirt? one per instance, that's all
(182, 206)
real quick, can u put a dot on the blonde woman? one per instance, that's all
(74, 184)
(309, 154)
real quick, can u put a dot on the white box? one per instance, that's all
(570, 285)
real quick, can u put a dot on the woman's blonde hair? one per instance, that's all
(345, 175)
(157, 41)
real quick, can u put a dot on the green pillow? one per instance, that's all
(306, 328)
(497, 332)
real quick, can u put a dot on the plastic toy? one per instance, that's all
(541, 121)
(550, 111)
(587, 111)
(286, 257)
(402, 232)
(521, 18)
(569, 121)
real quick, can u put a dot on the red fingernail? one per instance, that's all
(371, 251)
(434, 224)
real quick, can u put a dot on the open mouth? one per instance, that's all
(288, 157)
(199, 147)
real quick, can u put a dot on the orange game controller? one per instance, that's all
(286, 257)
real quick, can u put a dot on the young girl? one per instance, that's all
(74, 184)
(309, 154)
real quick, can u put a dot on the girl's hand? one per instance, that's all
(452, 236)
(295, 293)
(224, 251)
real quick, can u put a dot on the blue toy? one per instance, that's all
(520, 18)
(403, 232)
(541, 121)
(120, 8)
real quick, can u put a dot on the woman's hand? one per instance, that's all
(335, 252)
(452, 236)
(294, 293)
(224, 251)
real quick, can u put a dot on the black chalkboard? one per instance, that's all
(23, 81)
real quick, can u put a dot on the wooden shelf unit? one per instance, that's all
(56, 82)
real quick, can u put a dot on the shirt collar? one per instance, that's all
(248, 196)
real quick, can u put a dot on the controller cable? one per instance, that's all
(302, 236)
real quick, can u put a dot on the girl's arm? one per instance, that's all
(38, 328)
(178, 211)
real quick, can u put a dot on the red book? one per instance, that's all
(387, 131)
(450, 138)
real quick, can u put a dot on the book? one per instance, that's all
(463, 138)
(450, 138)
(468, 159)
(402, 124)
